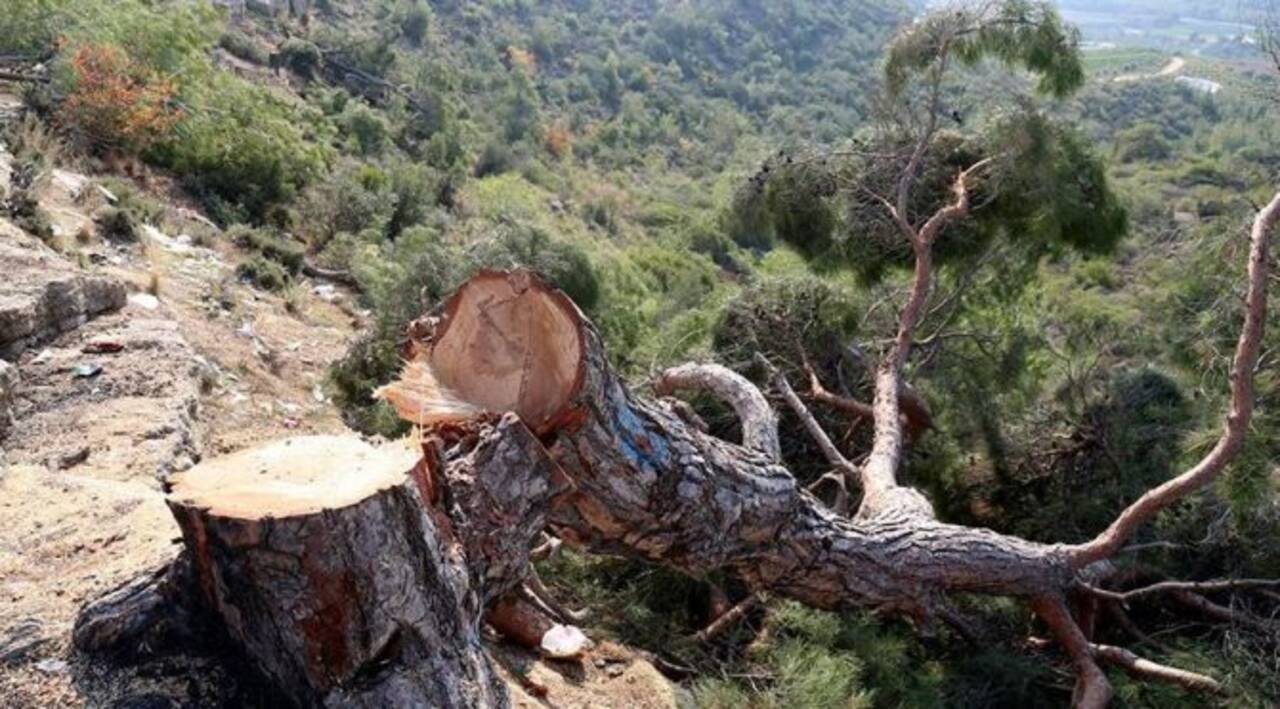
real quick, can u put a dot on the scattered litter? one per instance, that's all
(103, 347)
(292, 423)
(53, 667)
(44, 356)
(107, 194)
(144, 300)
(326, 292)
(86, 371)
(564, 642)
(318, 394)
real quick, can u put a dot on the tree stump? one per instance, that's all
(330, 566)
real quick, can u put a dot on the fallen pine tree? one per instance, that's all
(353, 575)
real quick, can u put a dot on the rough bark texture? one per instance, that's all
(377, 601)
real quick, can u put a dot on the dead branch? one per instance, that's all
(916, 415)
(535, 587)
(1182, 586)
(828, 448)
(1122, 619)
(759, 422)
(1092, 690)
(1144, 669)
(1223, 613)
(728, 619)
(329, 274)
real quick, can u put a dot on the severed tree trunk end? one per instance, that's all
(504, 341)
(328, 565)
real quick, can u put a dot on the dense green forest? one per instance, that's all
(675, 168)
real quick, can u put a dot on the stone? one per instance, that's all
(44, 295)
(21, 641)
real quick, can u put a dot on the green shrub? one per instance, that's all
(244, 151)
(357, 199)
(416, 22)
(145, 208)
(495, 159)
(562, 263)
(238, 44)
(119, 225)
(366, 127)
(263, 273)
(269, 244)
(368, 364)
(300, 57)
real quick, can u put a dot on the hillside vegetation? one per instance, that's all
(675, 167)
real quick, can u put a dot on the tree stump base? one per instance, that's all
(327, 564)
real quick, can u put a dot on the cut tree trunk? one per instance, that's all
(351, 576)
(645, 484)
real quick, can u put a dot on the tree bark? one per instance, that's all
(350, 576)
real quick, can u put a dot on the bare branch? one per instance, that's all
(879, 474)
(829, 450)
(1122, 619)
(759, 422)
(1176, 586)
(538, 591)
(728, 618)
(958, 208)
(1142, 668)
(1223, 613)
(915, 410)
(1237, 419)
(1092, 691)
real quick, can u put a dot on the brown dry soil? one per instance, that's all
(105, 410)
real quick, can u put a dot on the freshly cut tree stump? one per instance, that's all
(328, 563)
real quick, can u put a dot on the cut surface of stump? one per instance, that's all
(295, 476)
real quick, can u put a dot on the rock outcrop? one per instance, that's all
(42, 295)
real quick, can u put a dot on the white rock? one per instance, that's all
(52, 667)
(564, 642)
(146, 301)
